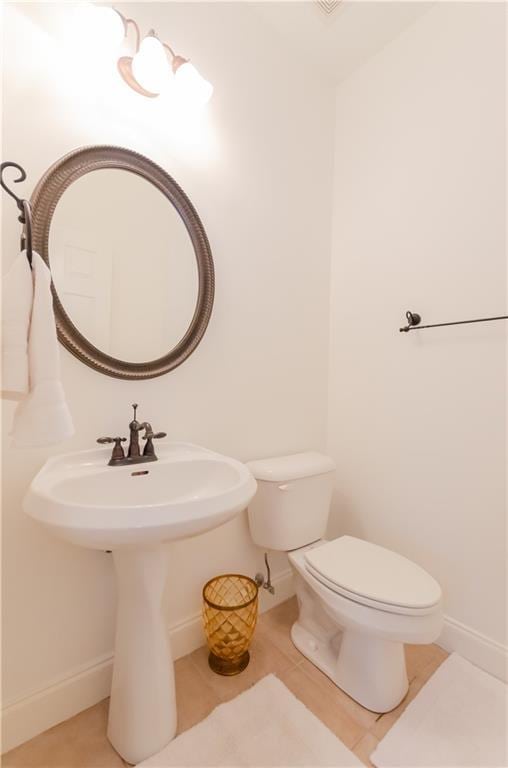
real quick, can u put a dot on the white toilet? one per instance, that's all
(358, 602)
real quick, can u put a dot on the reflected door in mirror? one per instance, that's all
(123, 265)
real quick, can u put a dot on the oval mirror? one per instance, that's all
(133, 277)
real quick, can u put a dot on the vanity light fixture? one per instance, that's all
(106, 24)
(189, 85)
(149, 65)
(155, 66)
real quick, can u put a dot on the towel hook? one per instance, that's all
(25, 216)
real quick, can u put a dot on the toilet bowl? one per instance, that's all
(356, 640)
(358, 602)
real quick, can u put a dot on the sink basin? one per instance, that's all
(133, 510)
(189, 490)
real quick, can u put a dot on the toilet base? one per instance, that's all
(359, 647)
(368, 668)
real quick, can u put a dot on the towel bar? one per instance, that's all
(414, 320)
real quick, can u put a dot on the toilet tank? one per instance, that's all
(292, 503)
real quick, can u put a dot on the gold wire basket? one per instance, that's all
(230, 611)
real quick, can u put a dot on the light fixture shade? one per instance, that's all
(109, 28)
(150, 65)
(89, 22)
(190, 87)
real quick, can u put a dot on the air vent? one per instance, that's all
(328, 6)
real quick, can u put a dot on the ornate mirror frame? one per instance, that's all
(44, 200)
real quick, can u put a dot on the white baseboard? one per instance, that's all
(27, 717)
(477, 648)
(31, 715)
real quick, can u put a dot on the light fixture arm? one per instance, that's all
(171, 51)
(126, 21)
(176, 61)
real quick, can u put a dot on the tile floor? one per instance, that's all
(81, 741)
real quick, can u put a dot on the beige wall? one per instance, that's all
(258, 170)
(417, 422)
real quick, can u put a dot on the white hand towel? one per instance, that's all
(17, 298)
(43, 417)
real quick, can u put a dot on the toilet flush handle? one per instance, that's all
(284, 487)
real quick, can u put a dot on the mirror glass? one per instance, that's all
(123, 265)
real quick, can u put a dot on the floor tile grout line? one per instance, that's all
(366, 733)
(353, 716)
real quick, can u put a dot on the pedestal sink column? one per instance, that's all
(142, 713)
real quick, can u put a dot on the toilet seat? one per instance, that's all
(374, 576)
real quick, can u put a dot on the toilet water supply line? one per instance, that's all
(265, 583)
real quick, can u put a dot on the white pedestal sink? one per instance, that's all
(133, 510)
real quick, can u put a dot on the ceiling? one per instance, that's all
(337, 43)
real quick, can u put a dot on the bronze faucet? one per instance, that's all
(134, 428)
(134, 456)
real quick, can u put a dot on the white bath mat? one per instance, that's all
(458, 719)
(264, 726)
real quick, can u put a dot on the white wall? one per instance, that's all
(417, 421)
(259, 171)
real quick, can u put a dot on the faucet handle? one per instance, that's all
(149, 436)
(118, 452)
(149, 433)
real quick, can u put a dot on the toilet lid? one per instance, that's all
(368, 573)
